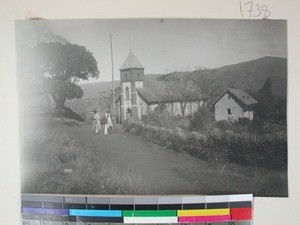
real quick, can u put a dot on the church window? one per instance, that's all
(127, 92)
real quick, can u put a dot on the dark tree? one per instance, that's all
(29, 34)
(266, 90)
(269, 107)
(61, 66)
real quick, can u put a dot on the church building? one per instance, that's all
(131, 77)
(139, 96)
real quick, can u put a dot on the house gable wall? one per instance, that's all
(227, 102)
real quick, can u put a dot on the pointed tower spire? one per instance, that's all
(131, 62)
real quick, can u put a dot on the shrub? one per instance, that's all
(160, 117)
(269, 151)
(223, 125)
(260, 151)
(202, 120)
(246, 126)
(67, 113)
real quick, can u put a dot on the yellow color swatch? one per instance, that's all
(203, 212)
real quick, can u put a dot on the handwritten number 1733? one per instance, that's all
(252, 9)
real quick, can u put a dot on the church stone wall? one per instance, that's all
(134, 98)
(135, 112)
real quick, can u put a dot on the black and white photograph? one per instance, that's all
(153, 106)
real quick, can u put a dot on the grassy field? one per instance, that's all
(54, 161)
(231, 178)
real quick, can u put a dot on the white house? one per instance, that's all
(234, 104)
(138, 97)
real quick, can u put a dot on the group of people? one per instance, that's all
(107, 121)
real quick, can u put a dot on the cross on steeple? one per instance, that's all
(130, 45)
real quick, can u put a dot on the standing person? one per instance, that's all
(97, 122)
(109, 122)
(105, 123)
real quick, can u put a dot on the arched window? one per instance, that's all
(127, 92)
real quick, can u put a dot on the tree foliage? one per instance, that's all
(29, 34)
(266, 90)
(202, 120)
(61, 66)
(269, 107)
(206, 83)
(201, 84)
(178, 88)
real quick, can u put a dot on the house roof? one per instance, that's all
(131, 62)
(242, 97)
(156, 94)
(149, 96)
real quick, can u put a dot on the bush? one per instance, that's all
(160, 117)
(202, 120)
(269, 151)
(67, 113)
(253, 127)
(223, 125)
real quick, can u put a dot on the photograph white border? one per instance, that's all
(266, 210)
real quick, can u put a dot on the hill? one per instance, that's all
(251, 76)
(91, 90)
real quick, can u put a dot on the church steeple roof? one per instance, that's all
(131, 62)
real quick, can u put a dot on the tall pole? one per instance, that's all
(113, 77)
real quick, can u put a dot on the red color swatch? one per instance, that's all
(241, 213)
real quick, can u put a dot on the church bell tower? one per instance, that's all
(132, 77)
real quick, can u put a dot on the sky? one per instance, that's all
(165, 45)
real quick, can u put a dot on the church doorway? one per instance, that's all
(128, 114)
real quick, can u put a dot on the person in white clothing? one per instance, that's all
(105, 124)
(109, 122)
(97, 123)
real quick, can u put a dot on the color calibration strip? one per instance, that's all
(68, 210)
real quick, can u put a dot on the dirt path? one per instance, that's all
(157, 166)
